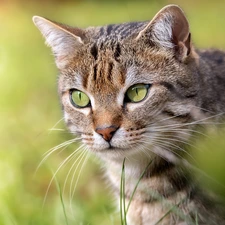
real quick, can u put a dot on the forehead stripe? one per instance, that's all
(94, 51)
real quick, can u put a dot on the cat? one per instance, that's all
(136, 93)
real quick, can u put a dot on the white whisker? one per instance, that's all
(79, 174)
(74, 163)
(63, 163)
(197, 122)
(56, 129)
(176, 140)
(166, 146)
(63, 145)
(51, 129)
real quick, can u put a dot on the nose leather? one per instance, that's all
(107, 132)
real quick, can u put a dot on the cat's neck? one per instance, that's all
(162, 177)
(133, 166)
(157, 161)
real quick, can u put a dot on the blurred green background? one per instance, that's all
(30, 108)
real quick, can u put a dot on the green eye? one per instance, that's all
(137, 92)
(79, 99)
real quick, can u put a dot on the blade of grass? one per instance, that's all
(166, 214)
(135, 188)
(61, 199)
(196, 218)
(124, 199)
(176, 210)
(122, 195)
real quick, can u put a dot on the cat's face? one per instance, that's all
(121, 104)
(127, 89)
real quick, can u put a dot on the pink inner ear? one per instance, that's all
(180, 28)
(181, 34)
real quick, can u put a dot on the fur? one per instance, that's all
(186, 89)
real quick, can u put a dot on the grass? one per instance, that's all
(62, 201)
(30, 107)
(123, 216)
(172, 208)
(123, 206)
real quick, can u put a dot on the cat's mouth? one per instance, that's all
(107, 149)
(121, 141)
(111, 147)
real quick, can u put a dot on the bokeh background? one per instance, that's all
(29, 108)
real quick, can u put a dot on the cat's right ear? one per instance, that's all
(62, 39)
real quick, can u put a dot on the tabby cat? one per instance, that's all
(138, 91)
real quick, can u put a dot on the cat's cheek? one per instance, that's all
(69, 123)
(119, 140)
(77, 121)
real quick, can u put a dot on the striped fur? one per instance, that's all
(186, 89)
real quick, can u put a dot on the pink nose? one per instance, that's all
(107, 132)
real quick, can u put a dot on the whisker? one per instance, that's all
(144, 151)
(176, 140)
(180, 130)
(65, 161)
(56, 124)
(167, 146)
(203, 109)
(74, 163)
(167, 118)
(197, 122)
(85, 157)
(63, 145)
(170, 144)
(47, 156)
(56, 129)
(177, 147)
(173, 156)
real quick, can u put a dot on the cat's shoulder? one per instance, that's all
(214, 56)
(212, 70)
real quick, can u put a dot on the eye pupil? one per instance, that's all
(136, 90)
(137, 93)
(79, 99)
(79, 95)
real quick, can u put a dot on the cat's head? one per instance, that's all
(127, 88)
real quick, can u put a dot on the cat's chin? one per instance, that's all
(118, 154)
(135, 154)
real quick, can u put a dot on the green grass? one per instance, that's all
(30, 107)
(123, 206)
(172, 208)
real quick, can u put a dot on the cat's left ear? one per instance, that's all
(63, 40)
(169, 29)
